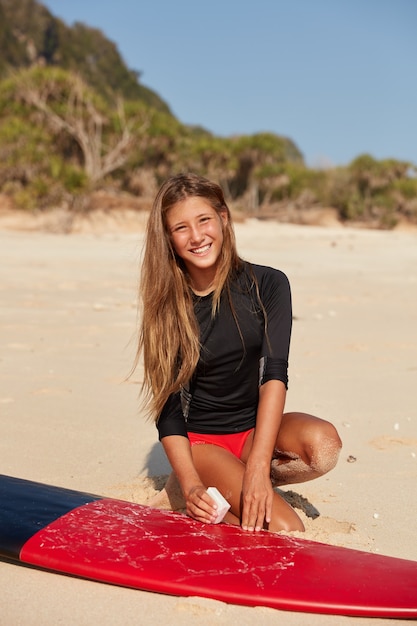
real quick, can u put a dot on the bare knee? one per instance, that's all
(323, 447)
(284, 518)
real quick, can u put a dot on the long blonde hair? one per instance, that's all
(169, 333)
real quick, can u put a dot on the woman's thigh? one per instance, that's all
(219, 468)
(303, 435)
(297, 431)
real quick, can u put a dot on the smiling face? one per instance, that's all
(196, 232)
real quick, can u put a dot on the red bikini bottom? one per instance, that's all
(234, 442)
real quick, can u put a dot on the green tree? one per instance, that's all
(67, 105)
(253, 154)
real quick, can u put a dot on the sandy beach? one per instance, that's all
(69, 417)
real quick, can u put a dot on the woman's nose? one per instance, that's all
(196, 234)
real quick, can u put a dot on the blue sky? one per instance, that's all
(339, 77)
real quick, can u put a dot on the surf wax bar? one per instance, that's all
(222, 504)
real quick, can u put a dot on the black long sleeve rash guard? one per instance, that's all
(239, 353)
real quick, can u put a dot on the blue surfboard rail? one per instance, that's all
(27, 506)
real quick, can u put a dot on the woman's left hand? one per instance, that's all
(257, 498)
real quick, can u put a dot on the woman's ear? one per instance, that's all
(224, 217)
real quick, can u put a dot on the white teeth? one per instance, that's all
(201, 250)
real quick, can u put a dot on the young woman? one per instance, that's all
(215, 337)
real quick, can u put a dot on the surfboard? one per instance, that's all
(132, 545)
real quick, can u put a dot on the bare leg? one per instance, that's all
(307, 447)
(219, 468)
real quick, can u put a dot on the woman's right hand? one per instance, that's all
(199, 505)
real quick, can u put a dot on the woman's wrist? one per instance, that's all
(190, 483)
(259, 463)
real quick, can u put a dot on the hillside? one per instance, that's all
(30, 34)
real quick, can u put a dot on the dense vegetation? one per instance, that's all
(74, 120)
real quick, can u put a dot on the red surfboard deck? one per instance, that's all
(135, 546)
